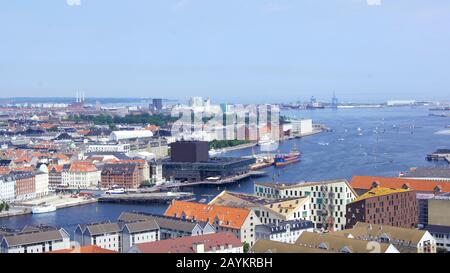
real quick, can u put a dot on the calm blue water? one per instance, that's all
(405, 136)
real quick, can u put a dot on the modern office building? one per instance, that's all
(384, 206)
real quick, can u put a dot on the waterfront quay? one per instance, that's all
(144, 198)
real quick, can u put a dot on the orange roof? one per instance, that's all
(82, 166)
(228, 216)
(84, 249)
(56, 168)
(367, 182)
(5, 170)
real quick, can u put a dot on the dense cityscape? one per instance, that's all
(56, 155)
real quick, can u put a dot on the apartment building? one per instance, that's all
(241, 222)
(108, 147)
(341, 244)
(406, 240)
(139, 232)
(442, 236)
(7, 187)
(25, 186)
(42, 181)
(385, 206)
(80, 175)
(268, 210)
(285, 231)
(222, 242)
(328, 199)
(170, 227)
(125, 175)
(105, 235)
(35, 241)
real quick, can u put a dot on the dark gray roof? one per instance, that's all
(438, 229)
(102, 228)
(119, 168)
(140, 226)
(28, 238)
(164, 222)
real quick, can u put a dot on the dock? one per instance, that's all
(145, 198)
(441, 154)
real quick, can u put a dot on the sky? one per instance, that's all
(228, 50)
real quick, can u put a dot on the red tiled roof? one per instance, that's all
(366, 182)
(84, 249)
(228, 216)
(185, 244)
(82, 166)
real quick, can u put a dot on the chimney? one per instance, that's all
(198, 247)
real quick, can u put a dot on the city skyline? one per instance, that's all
(259, 51)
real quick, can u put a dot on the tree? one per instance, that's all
(246, 247)
(2, 206)
(6, 206)
(145, 183)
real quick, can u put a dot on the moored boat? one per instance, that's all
(43, 209)
(289, 158)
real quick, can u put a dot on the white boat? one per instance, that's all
(323, 143)
(116, 191)
(43, 209)
(214, 152)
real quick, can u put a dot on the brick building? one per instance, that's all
(126, 175)
(25, 185)
(384, 206)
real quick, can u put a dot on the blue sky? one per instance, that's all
(233, 50)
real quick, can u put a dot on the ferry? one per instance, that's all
(43, 209)
(285, 159)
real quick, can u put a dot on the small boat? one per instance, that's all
(213, 152)
(359, 129)
(203, 200)
(43, 209)
(115, 191)
(323, 143)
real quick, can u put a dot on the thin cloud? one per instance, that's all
(73, 2)
(374, 2)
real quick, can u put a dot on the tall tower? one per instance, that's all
(334, 100)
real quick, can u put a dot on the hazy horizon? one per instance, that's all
(231, 51)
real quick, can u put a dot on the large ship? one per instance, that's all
(289, 158)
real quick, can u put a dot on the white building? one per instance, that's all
(400, 102)
(104, 235)
(222, 242)
(139, 232)
(285, 232)
(7, 188)
(109, 147)
(42, 181)
(130, 134)
(196, 102)
(80, 175)
(38, 241)
(328, 199)
(302, 126)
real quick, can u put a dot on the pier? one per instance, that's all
(441, 154)
(159, 197)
